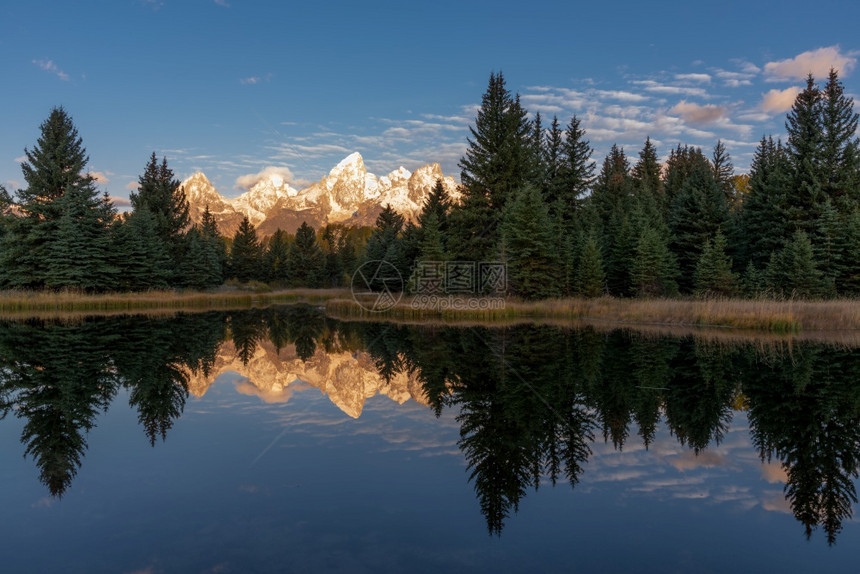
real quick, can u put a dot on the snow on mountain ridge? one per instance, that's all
(347, 194)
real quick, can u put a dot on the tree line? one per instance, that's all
(532, 198)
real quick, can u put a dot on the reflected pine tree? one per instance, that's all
(247, 330)
(698, 402)
(652, 369)
(805, 412)
(153, 359)
(59, 378)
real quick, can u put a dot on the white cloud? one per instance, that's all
(250, 81)
(698, 78)
(21, 159)
(779, 101)
(622, 96)
(816, 62)
(50, 66)
(223, 3)
(248, 181)
(99, 176)
(132, 186)
(698, 114)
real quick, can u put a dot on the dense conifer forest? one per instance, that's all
(533, 198)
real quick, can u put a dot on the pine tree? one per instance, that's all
(840, 161)
(793, 271)
(140, 254)
(384, 249)
(530, 246)
(276, 257)
(80, 256)
(245, 253)
(160, 193)
(497, 162)
(60, 209)
(724, 171)
(762, 225)
(805, 147)
(576, 174)
(646, 172)
(438, 203)
(306, 261)
(554, 159)
(699, 209)
(590, 278)
(848, 280)
(209, 231)
(714, 276)
(202, 267)
(654, 268)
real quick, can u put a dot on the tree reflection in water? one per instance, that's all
(529, 399)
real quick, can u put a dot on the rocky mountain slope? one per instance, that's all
(348, 194)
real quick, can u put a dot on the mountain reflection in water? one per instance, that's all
(530, 401)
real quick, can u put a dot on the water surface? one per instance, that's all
(278, 440)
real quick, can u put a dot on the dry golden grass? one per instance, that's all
(766, 315)
(65, 303)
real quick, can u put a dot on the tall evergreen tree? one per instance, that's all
(306, 261)
(64, 220)
(530, 246)
(160, 193)
(793, 271)
(805, 153)
(140, 254)
(714, 274)
(699, 209)
(654, 269)
(385, 249)
(646, 172)
(276, 256)
(590, 278)
(576, 174)
(495, 165)
(840, 155)
(245, 253)
(724, 170)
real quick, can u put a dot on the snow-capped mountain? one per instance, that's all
(348, 194)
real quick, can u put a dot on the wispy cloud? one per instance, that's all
(222, 3)
(668, 89)
(252, 80)
(697, 78)
(120, 202)
(132, 186)
(816, 62)
(50, 66)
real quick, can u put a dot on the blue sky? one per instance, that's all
(233, 87)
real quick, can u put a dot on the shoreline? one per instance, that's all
(744, 315)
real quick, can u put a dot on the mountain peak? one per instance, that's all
(348, 194)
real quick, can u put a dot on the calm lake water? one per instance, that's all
(281, 440)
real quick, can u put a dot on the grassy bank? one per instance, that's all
(41, 303)
(759, 315)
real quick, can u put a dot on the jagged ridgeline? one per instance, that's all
(349, 194)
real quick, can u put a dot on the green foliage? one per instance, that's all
(714, 274)
(245, 253)
(530, 246)
(654, 268)
(306, 261)
(590, 278)
(140, 254)
(385, 249)
(275, 258)
(699, 209)
(792, 272)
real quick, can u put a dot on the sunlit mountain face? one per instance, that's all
(348, 194)
(335, 434)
